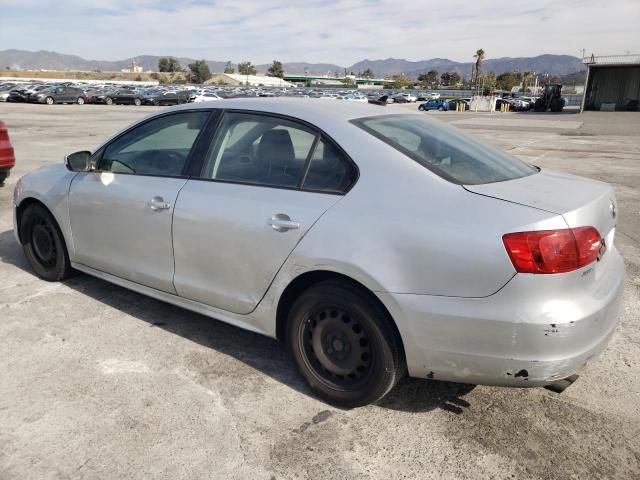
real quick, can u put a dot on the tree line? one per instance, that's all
(199, 72)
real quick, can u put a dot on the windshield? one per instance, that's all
(444, 150)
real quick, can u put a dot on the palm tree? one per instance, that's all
(479, 56)
(525, 80)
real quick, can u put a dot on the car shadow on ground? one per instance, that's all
(257, 351)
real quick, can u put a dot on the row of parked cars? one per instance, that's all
(110, 94)
(72, 92)
(69, 92)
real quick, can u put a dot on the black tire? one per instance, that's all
(3, 177)
(421, 108)
(49, 101)
(156, 103)
(137, 102)
(44, 245)
(440, 109)
(555, 105)
(108, 101)
(344, 345)
(80, 101)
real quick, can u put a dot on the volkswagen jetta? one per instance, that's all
(374, 243)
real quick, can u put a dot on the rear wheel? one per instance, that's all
(80, 101)
(137, 102)
(440, 108)
(49, 100)
(44, 245)
(421, 108)
(108, 101)
(344, 345)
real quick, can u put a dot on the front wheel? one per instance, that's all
(108, 101)
(44, 245)
(421, 108)
(49, 101)
(137, 102)
(344, 344)
(80, 101)
(440, 109)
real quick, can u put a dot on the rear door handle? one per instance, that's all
(281, 222)
(158, 203)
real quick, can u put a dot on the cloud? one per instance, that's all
(337, 31)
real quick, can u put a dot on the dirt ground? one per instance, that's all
(100, 382)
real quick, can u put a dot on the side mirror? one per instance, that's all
(78, 161)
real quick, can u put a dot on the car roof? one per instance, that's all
(312, 110)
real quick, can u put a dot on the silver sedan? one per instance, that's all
(374, 243)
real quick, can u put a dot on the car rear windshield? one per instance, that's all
(444, 150)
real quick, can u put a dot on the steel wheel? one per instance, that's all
(344, 343)
(336, 347)
(43, 244)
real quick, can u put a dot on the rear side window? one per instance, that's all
(259, 149)
(444, 150)
(329, 170)
(274, 151)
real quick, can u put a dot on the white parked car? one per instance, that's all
(409, 97)
(372, 243)
(206, 96)
(355, 98)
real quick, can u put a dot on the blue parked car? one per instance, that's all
(434, 104)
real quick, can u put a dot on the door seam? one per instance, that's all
(275, 275)
(173, 253)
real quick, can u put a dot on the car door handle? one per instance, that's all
(282, 223)
(158, 203)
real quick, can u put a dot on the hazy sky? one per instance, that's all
(335, 31)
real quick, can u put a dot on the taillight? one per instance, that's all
(553, 251)
(7, 155)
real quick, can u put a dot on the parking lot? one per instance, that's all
(98, 381)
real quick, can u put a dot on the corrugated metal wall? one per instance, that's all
(619, 85)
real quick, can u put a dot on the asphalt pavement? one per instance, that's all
(100, 382)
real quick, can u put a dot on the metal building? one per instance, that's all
(613, 83)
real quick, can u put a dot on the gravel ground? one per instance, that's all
(100, 382)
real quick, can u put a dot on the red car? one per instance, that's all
(7, 156)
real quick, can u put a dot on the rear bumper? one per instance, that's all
(537, 329)
(7, 159)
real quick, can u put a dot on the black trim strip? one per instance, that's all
(200, 148)
(307, 161)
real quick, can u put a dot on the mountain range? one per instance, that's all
(547, 63)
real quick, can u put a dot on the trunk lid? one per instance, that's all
(580, 201)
